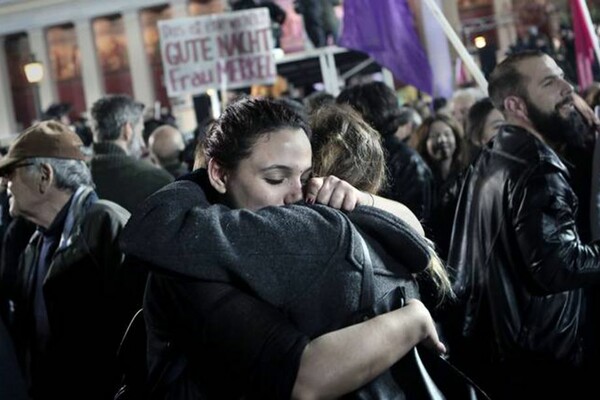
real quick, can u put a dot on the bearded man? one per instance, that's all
(521, 266)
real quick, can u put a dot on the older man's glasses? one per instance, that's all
(8, 172)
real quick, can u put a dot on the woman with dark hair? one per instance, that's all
(482, 124)
(440, 143)
(260, 300)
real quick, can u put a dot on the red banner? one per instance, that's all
(584, 43)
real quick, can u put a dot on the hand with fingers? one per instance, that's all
(335, 192)
(585, 110)
(429, 335)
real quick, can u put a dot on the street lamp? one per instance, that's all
(480, 42)
(34, 72)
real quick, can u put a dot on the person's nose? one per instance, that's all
(295, 193)
(566, 88)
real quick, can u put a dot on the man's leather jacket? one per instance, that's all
(520, 264)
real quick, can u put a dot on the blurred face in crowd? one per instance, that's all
(441, 143)
(136, 145)
(273, 174)
(549, 101)
(404, 131)
(460, 108)
(493, 122)
(65, 119)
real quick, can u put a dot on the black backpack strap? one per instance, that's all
(171, 371)
(131, 357)
(132, 349)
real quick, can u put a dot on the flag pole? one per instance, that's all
(458, 45)
(223, 90)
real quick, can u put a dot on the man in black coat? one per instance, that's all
(521, 264)
(117, 169)
(72, 296)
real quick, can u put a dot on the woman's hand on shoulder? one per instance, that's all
(335, 192)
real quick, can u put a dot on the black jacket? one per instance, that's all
(410, 179)
(445, 196)
(90, 297)
(520, 263)
(123, 179)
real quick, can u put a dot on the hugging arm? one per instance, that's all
(337, 193)
(253, 343)
(341, 361)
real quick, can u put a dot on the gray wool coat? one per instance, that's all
(305, 260)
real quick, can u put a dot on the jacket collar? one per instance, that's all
(200, 178)
(394, 236)
(55, 228)
(80, 201)
(82, 198)
(108, 148)
(517, 143)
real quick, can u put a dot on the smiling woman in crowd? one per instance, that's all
(440, 142)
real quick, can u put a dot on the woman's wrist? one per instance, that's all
(368, 199)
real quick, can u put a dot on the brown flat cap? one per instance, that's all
(46, 139)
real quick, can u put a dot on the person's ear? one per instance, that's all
(126, 132)
(46, 177)
(217, 175)
(516, 106)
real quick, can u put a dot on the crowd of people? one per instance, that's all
(309, 249)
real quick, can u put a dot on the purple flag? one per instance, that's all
(384, 30)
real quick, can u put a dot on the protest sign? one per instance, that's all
(231, 50)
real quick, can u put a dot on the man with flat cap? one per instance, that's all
(70, 306)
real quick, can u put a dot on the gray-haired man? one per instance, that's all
(70, 307)
(119, 173)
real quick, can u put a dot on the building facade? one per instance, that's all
(90, 48)
(87, 49)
